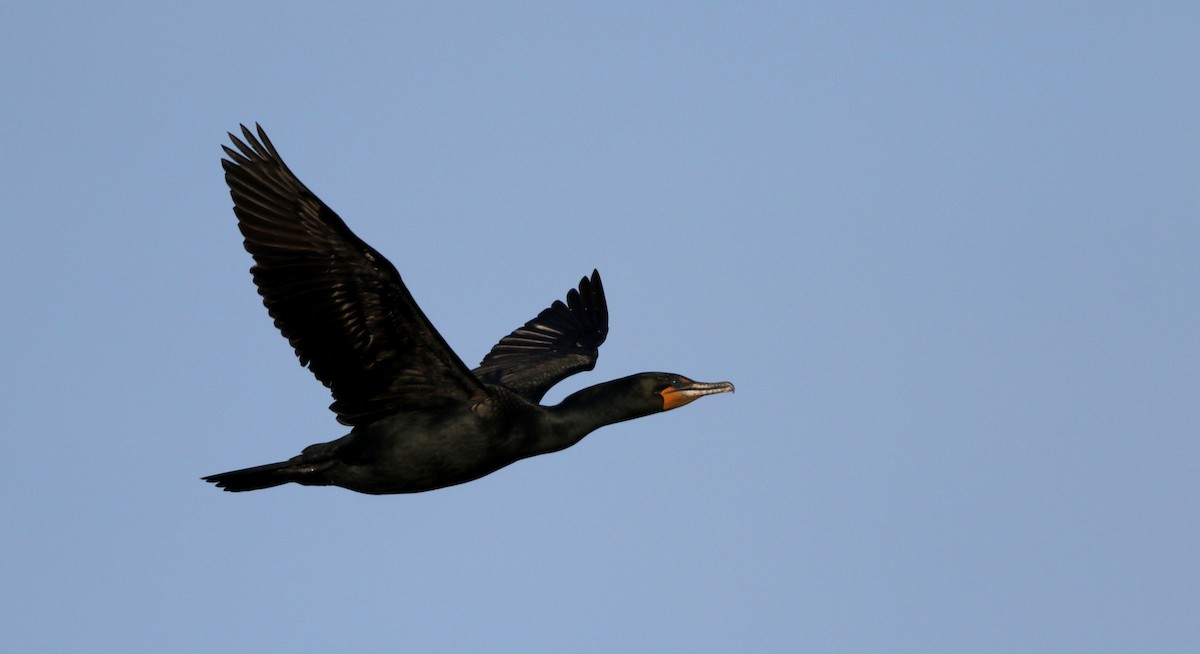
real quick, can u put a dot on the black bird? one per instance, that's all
(420, 419)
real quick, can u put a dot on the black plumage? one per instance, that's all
(420, 419)
(562, 340)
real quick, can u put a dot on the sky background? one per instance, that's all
(947, 252)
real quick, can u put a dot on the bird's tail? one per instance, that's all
(265, 476)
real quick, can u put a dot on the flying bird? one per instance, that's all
(419, 418)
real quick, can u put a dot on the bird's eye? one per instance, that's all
(675, 383)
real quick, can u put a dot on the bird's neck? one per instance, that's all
(587, 410)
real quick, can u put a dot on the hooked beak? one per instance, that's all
(689, 390)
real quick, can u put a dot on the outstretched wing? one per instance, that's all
(561, 341)
(341, 304)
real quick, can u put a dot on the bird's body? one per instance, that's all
(420, 419)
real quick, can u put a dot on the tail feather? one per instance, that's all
(258, 477)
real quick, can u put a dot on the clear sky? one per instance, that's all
(947, 252)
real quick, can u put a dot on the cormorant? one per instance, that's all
(420, 418)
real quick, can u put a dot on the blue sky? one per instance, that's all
(947, 252)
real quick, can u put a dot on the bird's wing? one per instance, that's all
(341, 304)
(562, 340)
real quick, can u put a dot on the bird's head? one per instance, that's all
(671, 391)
